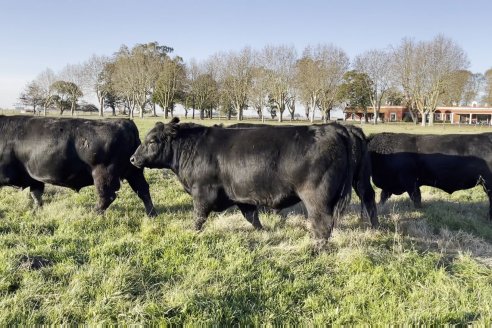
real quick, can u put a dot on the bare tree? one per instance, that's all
(431, 65)
(487, 98)
(235, 74)
(45, 81)
(376, 64)
(280, 64)
(472, 88)
(456, 88)
(405, 77)
(258, 93)
(94, 69)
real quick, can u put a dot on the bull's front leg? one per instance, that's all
(203, 201)
(415, 196)
(250, 212)
(37, 190)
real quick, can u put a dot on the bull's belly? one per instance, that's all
(69, 178)
(450, 187)
(269, 198)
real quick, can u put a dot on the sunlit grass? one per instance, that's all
(65, 264)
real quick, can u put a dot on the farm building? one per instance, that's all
(454, 115)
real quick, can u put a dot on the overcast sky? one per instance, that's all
(40, 34)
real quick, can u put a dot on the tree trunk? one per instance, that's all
(431, 118)
(166, 112)
(72, 109)
(142, 111)
(376, 113)
(239, 113)
(101, 107)
(201, 114)
(423, 118)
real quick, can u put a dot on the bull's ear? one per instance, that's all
(159, 124)
(175, 120)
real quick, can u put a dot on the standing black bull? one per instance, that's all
(275, 167)
(361, 181)
(404, 162)
(72, 153)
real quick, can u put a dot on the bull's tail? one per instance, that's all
(345, 191)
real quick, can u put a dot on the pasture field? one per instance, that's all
(65, 264)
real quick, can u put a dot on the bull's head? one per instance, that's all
(156, 149)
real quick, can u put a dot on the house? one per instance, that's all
(453, 115)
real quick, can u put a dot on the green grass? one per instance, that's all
(65, 264)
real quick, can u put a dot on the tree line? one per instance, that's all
(418, 74)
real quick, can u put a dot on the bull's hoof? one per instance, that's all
(152, 214)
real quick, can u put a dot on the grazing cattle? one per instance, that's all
(404, 162)
(72, 153)
(275, 167)
(361, 181)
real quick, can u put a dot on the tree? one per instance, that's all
(235, 74)
(135, 74)
(32, 96)
(96, 72)
(319, 74)
(376, 65)
(309, 82)
(205, 90)
(424, 71)
(169, 82)
(455, 92)
(355, 91)
(280, 65)
(258, 93)
(472, 88)
(45, 82)
(68, 93)
(487, 98)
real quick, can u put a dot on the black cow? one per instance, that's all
(361, 163)
(72, 153)
(404, 162)
(275, 167)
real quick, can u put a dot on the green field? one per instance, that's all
(65, 264)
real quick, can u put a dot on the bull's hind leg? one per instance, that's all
(367, 202)
(320, 214)
(107, 183)
(250, 212)
(37, 190)
(140, 186)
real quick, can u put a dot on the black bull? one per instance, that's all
(404, 162)
(275, 167)
(72, 153)
(361, 181)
